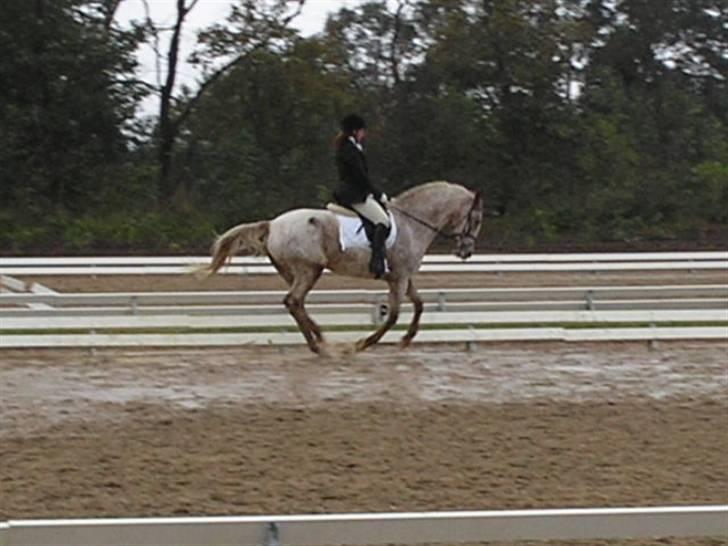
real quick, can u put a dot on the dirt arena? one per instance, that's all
(217, 431)
(260, 431)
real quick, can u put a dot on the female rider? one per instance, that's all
(356, 191)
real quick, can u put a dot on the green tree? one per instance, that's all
(66, 104)
(260, 142)
(251, 26)
(647, 123)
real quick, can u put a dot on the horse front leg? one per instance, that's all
(415, 324)
(397, 289)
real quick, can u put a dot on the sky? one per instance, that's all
(310, 21)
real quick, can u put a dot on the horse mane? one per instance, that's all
(422, 188)
(427, 186)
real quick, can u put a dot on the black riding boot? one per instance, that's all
(376, 264)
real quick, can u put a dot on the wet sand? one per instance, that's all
(276, 430)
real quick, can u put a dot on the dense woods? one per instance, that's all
(583, 122)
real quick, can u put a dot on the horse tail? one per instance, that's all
(247, 239)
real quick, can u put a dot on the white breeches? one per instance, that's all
(371, 210)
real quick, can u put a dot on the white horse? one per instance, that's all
(302, 243)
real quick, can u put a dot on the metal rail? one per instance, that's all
(375, 529)
(430, 258)
(591, 296)
(48, 319)
(468, 336)
(361, 320)
(483, 263)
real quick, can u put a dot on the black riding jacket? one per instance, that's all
(353, 176)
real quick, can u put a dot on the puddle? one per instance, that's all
(46, 390)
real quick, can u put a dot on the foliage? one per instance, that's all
(579, 120)
(65, 103)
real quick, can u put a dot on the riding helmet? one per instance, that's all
(352, 122)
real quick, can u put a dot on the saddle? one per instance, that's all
(366, 224)
(355, 231)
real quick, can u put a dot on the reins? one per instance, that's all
(464, 233)
(422, 222)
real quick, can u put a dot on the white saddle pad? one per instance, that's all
(352, 235)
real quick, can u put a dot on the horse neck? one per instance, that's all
(433, 210)
(434, 207)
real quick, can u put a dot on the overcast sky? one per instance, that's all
(310, 21)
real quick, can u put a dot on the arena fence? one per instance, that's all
(479, 263)
(43, 318)
(39, 317)
(488, 299)
(375, 529)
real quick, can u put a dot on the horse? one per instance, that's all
(302, 243)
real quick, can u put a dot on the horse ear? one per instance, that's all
(478, 199)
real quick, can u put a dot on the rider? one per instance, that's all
(356, 191)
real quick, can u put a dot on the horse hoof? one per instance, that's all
(360, 345)
(405, 343)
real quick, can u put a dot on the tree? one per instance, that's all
(506, 57)
(593, 119)
(66, 103)
(251, 25)
(260, 141)
(373, 43)
(646, 116)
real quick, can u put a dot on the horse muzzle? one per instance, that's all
(464, 253)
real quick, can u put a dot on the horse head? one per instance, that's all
(468, 226)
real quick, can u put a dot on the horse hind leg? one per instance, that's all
(302, 283)
(285, 273)
(415, 324)
(312, 326)
(288, 276)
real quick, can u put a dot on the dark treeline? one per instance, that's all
(583, 122)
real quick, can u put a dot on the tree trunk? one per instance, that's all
(167, 126)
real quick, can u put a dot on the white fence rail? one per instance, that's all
(362, 320)
(486, 263)
(39, 319)
(375, 529)
(468, 336)
(655, 304)
(589, 297)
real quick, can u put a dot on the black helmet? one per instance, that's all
(352, 122)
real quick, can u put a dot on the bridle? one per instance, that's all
(465, 233)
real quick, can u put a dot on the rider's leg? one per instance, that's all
(377, 263)
(374, 212)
